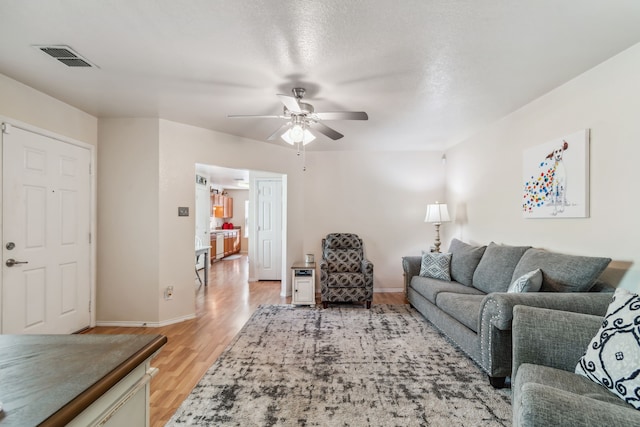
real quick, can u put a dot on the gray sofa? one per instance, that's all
(474, 310)
(546, 391)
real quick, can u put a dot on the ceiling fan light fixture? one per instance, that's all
(289, 138)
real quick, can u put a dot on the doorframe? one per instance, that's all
(255, 176)
(93, 204)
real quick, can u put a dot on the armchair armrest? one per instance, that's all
(550, 337)
(411, 267)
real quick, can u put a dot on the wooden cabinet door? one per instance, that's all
(212, 251)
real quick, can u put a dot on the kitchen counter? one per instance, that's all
(50, 380)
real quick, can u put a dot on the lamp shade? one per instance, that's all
(437, 213)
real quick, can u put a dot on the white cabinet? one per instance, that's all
(304, 284)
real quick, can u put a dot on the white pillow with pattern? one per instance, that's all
(613, 356)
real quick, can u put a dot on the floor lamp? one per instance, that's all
(437, 214)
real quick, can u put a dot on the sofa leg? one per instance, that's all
(497, 382)
(325, 304)
(368, 304)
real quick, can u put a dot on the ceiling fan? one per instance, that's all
(302, 119)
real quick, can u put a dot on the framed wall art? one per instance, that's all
(556, 178)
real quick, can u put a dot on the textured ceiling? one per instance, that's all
(429, 73)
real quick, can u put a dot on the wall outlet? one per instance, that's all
(168, 293)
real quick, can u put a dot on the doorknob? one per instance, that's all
(11, 262)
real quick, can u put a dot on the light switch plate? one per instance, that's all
(183, 211)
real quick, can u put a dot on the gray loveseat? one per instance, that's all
(475, 311)
(546, 391)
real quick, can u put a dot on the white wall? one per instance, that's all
(381, 196)
(484, 173)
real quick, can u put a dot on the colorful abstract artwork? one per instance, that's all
(556, 178)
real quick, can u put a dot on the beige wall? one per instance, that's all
(22, 103)
(128, 221)
(381, 196)
(484, 173)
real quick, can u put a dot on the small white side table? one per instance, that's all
(304, 283)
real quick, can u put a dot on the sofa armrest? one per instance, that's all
(496, 315)
(551, 337)
(497, 307)
(410, 267)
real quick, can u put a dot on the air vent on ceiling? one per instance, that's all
(66, 55)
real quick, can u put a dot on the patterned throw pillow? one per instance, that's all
(436, 265)
(530, 282)
(613, 356)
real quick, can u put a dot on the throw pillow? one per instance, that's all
(562, 273)
(464, 260)
(495, 269)
(530, 282)
(436, 265)
(613, 356)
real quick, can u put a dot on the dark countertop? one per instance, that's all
(50, 379)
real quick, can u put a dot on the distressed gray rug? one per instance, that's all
(343, 366)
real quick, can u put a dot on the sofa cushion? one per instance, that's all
(612, 358)
(462, 307)
(562, 272)
(464, 260)
(495, 270)
(529, 282)
(431, 288)
(436, 265)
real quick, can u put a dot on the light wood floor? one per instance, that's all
(222, 309)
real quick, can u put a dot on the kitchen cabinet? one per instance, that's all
(213, 251)
(221, 206)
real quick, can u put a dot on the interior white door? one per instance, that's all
(46, 212)
(269, 234)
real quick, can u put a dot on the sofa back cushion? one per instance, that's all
(464, 260)
(561, 272)
(495, 269)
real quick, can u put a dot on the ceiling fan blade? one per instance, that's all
(291, 102)
(244, 116)
(277, 133)
(325, 130)
(343, 115)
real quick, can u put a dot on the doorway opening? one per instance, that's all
(248, 216)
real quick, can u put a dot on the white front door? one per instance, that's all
(46, 212)
(269, 237)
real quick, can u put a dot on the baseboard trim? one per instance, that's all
(139, 324)
(387, 290)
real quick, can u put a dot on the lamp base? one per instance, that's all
(436, 244)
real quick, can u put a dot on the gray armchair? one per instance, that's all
(547, 345)
(345, 274)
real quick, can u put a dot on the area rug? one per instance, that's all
(343, 366)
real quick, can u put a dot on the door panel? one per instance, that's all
(47, 216)
(269, 229)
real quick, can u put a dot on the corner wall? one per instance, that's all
(484, 173)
